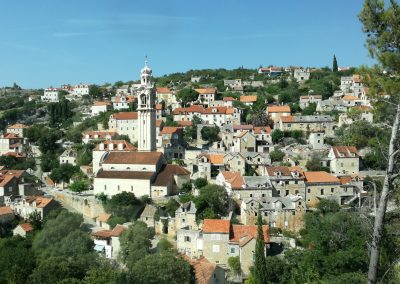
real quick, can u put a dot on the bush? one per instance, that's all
(200, 182)
(234, 264)
(113, 221)
(276, 155)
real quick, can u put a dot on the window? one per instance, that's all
(187, 239)
(322, 191)
(215, 237)
(287, 192)
(131, 187)
(296, 182)
(332, 190)
(105, 187)
(232, 250)
(308, 190)
(251, 195)
(215, 248)
(118, 187)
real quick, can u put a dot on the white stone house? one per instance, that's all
(344, 160)
(301, 75)
(69, 156)
(51, 95)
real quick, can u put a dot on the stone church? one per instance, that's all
(145, 171)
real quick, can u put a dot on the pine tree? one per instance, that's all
(260, 263)
(334, 65)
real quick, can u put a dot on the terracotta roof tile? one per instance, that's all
(261, 129)
(125, 175)
(234, 178)
(216, 226)
(216, 159)
(171, 130)
(18, 126)
(287, 119)
(166, 175)
(349, 98)
(227, 99)
(206, 90)
(102, 104)
(125, 115)
(126, 145)
(26, 227)
(163, 90)
(142, 158)
(245, 231)
(185, 123)
(5, 210)
(320, 177)
(248, 99)
(117, 231)
(203, 269)
(345, 152)
(274, 109)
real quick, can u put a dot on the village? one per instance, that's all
(202, 162)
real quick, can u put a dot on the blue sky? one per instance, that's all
(51, 42)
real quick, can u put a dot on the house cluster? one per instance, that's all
(147, 152)
(53, 95)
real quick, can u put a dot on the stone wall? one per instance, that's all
(87, 206)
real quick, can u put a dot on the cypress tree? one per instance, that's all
(260, 263)
(334, 65)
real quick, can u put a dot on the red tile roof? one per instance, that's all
(228, 99)
(216, 159)
(274, 109)
(216, 226)
(243, 233)
(248, 99)
(142, 158)
(171, 130)
(126, 145)
(102, 104)
(125, 175)
(18, 126)
(261, 129)
(125, 115)
(5, 210)
(185, 123)
(166, 175)
(320, 177)
(287, 119)
(163, 90)
(234, 178)
(345, 152)
(26, 227)
(206, 90)
(285, 171)
(202, 268)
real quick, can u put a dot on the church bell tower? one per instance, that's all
(146, 111)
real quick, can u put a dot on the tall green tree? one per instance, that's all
(135, 243)
(380, 21)
(260, 263)
(187, 95)
(334, 64)
(164, 268)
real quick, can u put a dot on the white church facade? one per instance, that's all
(142, 171)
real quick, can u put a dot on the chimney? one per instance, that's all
(120, 146)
